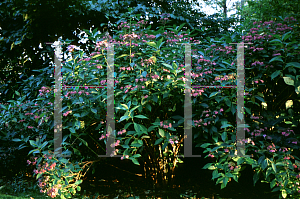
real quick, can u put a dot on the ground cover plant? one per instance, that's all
(149, 129)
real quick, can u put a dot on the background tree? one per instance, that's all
(27, 25)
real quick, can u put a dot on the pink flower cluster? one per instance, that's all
(289, 19)
(272, 148)
(174, 140)
(211, 155)
(165, 125)
(67, 113)
(257, 62)
(121, 132)
(257, 132)
(115, 144)
(126, 68)
(75, 92)
(126, 156)
(44, 90)
(206, 115)
(141, 79)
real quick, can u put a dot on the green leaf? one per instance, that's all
(17, 93)
(136, 127)
(127, 125)
(76, 115)
(286, 36)
(32, 151)
(264, 164)
(273, 183)
(141, 116)
(39, 175)
(76, 152)
(33, 143)
(283, 193)
(240, 160)
(277, 58)
(78, 182)
(94, 110)
(207, 165)
(274, 167)
(213, 94)
(288, 81)
(228, 102)
(43, 145)
(124, 55)
(255, 177)
(161, 132)
(225, 181)
(248, 110)
(151, 43)
(155, 98)
(66, 182)
(168, 66)
(295, 64)
(83, 141)
(158, 141)
(72, 130)
(205, 145)
(136, 144)
(125, 106)
(148, 106)
(275, 74)
(224, 136)
(16, 140)
(63, 160)
(135, 161)
(235, 177)
(259, 98)
(123, 118)
(78, 188)
(225, 125)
